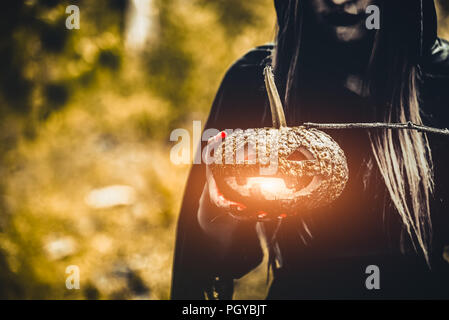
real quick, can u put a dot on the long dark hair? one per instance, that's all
(391, 80)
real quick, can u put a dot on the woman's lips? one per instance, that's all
(344, 19)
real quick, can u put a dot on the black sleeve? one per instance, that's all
(240, 103)
(435, 99)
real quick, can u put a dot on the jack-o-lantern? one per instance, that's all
(279, 171)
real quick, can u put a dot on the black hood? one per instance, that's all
(420, 18)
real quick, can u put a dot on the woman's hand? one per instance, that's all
(214, 208)
(215, 195)
(239, 249)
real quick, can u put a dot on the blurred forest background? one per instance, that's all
(85, 176)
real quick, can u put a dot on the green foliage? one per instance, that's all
(81, 111)
(444, 5)
(235, 15)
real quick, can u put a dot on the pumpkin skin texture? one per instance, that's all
(307, 166)
(314, 182)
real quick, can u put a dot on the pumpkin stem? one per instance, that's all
(277, 111)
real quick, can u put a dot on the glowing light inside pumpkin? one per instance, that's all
(269, 187)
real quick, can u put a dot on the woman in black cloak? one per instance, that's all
(393, 213)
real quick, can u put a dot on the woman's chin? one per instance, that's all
(348, 33)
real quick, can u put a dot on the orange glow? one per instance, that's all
(270, 188)
(267, 185)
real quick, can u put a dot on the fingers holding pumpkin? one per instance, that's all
(215, 195)
(212, 144)
(219, 200)
(215, 140)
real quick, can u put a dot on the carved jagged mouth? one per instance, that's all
(276, 188)
(271, 188)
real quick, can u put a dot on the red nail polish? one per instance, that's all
(223, 134)
(261, 214)
(238, 206)
(241, 207)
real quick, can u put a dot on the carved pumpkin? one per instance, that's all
(311, 167)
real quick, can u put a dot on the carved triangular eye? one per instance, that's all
(297, 155)
(300, 155)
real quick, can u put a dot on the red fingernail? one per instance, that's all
(238, 206)
(220, 136)
(261, 214)
(282, 216)
(241, 207)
